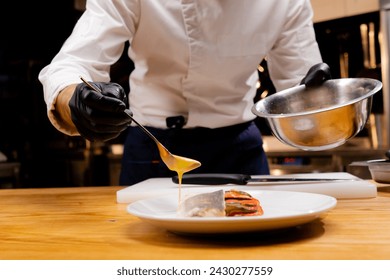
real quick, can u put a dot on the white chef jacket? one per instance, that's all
(194, 58)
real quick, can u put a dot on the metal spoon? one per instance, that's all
(175, 163)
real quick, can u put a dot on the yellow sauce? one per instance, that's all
(178, 164)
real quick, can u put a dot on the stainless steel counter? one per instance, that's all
(284, 159)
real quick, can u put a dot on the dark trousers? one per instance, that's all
(233, 149)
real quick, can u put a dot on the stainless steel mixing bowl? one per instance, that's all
(319, 118)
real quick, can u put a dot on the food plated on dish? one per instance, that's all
(220, 203)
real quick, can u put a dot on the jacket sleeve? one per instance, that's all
(296, 49)
(96, 42)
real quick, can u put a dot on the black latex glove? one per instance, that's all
(99, 116)
(316, 75)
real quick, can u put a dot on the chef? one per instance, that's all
(194, 80)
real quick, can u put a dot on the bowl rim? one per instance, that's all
(376, 83)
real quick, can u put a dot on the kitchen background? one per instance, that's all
(34, 154)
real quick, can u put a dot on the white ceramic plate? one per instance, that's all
(281, 209)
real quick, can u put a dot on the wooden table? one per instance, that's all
(87, 223)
